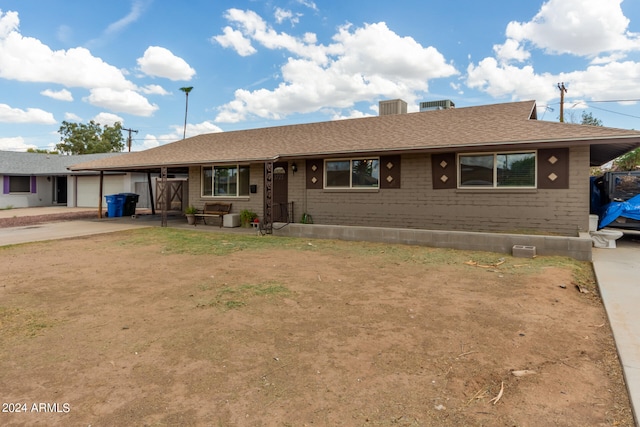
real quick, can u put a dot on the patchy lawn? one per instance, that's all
(174, 327)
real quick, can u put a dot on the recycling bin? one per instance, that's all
(115, 204)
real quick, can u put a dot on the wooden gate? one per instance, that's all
(175, 189)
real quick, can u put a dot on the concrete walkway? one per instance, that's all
(618, 275)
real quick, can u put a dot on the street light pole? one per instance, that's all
(186, 91)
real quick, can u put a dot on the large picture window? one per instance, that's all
(20, 184)
(352, 173)
(225, 181)
(497, 170)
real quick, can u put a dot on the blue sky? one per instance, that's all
(267, 63)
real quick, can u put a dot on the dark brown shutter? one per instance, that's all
(443, 171)
(390, 172)
(315, 173)
(553, 168)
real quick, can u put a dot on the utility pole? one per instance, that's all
(563, 90)
(129, 139)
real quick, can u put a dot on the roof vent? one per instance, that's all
(392, 106)
(445, 104)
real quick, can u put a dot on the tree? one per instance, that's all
(186, 91)
(80, 138)
(41, 151)
(588, 119)
(628, 162)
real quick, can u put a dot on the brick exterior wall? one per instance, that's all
(417, 205)
(254, 202)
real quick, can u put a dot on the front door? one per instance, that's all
(281, 192)
(61, 190)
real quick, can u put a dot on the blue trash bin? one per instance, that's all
(115, 204)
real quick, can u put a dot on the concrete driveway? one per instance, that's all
(61, 229)
(618, 275)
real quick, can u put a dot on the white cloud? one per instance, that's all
(593, 30)
(122, 101)
(71, 117)
(352, 114)
(107, 119)
(252, 27)
(236, 40)
(153, 90)
(14, 144)
(8, 23)
(281, 15)
(511, 50)
(60, 95)
(192, 130)
(160, 62)
(577, 27)
(502, 81)
(349, 70)
(137, 9)
(308, 3)
(614, 57)
(27, 59)
(151, 141)
(30, 115)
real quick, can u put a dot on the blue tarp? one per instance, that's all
(629, 209)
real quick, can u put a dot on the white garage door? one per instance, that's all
(89, 189)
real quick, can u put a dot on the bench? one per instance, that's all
(211, 209)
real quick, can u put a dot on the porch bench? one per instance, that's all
(212, 209)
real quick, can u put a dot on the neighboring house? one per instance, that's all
(492, 168)
(35, 179)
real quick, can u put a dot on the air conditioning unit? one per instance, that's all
(444, 104)
(392, 106)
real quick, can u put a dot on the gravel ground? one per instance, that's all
(22, 221)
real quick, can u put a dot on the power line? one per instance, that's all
(619, 100)
(615, 112)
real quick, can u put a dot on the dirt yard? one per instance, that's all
(162, 327)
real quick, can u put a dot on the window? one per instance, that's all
(225, 181)
(19, 184)
(360, 173)
(497, 170)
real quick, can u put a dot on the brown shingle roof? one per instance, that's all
(461, 128)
